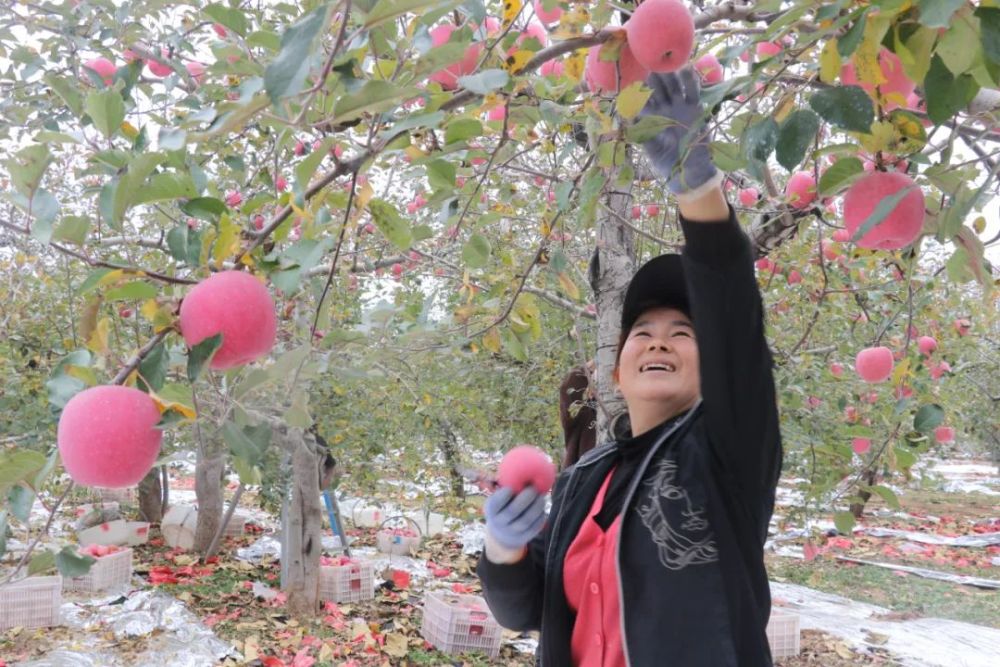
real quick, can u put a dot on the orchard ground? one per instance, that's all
(385, 630)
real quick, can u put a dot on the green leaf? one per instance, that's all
(646, 128)
(938, 13)
(42, 562)
(727, 156)
(484, 82)
(201, 354)
(132, 291)
(153, 369)
(171, 139)
(389, 10)
(19, 465)
(68, 91)
(417, 120)
(298, 415)
(760, 139)
(887, 495)
(307, 167)
(249, 442)
(233, 19)
(904, 458)
(166, 186)
(20, 499)
(71, 563)
(958, 46)
(840, 175)
(27, 168)
(846, 107)
(107, 110)
(476, 252)
(946, 93)
(796, 135)
(373, 97)
(884, 208)
(928, 417)
(441, 175)
(847, 44)
(390, 223)
(204, 208)
(184, 244)
(43, 209)
(286, 74)
(461, 129)
(844, 521)
(72, 229)
(989, 27)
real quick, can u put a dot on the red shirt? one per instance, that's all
(590, 578)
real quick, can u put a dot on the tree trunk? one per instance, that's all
(449, 446)
(151, 497)
(857, 509)
(611, 268)
(302, 528)
(208, 473)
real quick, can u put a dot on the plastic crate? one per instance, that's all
(31, 603)
(111, 571)
(351, 582)
(390, 543)
(783, 634)
(460, 623)
(237, 525)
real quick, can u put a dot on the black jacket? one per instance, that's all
(692, 583)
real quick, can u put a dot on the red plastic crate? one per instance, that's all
(350, 582)
(783, 633)
(31, 603)
(460, 623)
(111, 571)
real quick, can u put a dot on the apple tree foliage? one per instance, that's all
(429, 252)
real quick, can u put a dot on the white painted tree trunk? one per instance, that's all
(611, 268)
(208, 472)
(302, 523)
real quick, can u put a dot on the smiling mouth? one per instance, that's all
(663, 367)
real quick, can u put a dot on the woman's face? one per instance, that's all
(658, 368)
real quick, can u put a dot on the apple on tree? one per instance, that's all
(896, 87)
(103, 68)
(448, 76)
(661, 35)
(874, 364)
(610, 76)
(800, 191)
(237, 305)
(107, 436)
(551, 16)
(926, 345)
(901, 226)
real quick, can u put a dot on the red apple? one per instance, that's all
(553, 68)
(220, 30)
(524, 465)
(158, 69)
(107, 436)
(103, 68)
(234, 199)
(944, 434)
(927, 345)
(548, 16)
(652, 210)
(794, 277)
(237, 305)
(800, 190)
(709, 68)
(962, 326)
(894, 90)
(748, 197)
(661, 35)
(861, 445)
(448, 76)
(769, 49)
(603, 77)
(874, 364)
(837, 369)
(903, 224)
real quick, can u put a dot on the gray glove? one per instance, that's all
(512, 520)
(680, 152)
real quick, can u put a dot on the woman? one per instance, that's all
(653, 552)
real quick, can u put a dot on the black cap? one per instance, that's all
(659, 282)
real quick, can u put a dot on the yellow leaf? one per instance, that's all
(129, 130)
(427, 399)
(516, 62)
(88, 318)
(574, 65)
(829, 62)
(511, 8)
(881, 138)
(362, 195)
(785, 106)
(979, 224)
(395, 645)
(567, 285)
(633, 99)
(866, 62)
(228, 242)
(98, 340)
(900, 372)
(491, 340)
(165, 404)
(111, 277)
(325, 653)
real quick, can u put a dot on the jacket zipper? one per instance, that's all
(628, 499)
